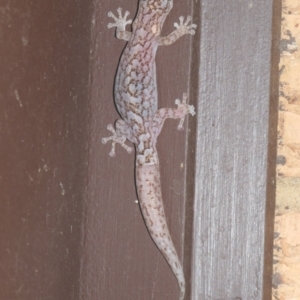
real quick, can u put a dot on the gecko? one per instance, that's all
(135, 95)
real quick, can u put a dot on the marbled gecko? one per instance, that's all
(135, 94)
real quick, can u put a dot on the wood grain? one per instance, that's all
(236, 149)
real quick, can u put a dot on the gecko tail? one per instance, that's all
(149, 193)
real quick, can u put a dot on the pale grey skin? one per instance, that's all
(135, 94)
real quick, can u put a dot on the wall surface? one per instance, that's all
(44, 70)
(286, 281)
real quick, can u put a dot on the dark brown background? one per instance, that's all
(70, 227)
(44, 119)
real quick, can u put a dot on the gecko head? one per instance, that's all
(158, 5)
(153, 14)
(162, 4)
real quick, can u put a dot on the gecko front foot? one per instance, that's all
(184, 109)
(116, 139)
(120, 22)
(184, 28)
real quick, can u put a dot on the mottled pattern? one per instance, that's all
(149, 193)
(135, 94)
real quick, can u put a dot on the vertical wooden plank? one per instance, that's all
(120, 261)
(44, 109)
(236, 147)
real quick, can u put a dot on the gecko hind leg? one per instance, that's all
(119, 136)
(180, 112)
(184, 109)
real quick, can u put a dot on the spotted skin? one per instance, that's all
(135, 94)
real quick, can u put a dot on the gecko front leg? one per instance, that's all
(120, 23)
(181, 29)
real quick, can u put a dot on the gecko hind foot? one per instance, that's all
(116, 139)
(187, 109)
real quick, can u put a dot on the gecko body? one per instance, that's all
(135, 94)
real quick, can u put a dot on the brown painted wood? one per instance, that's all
(236, 149)
(120, 259)
(44, 110)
